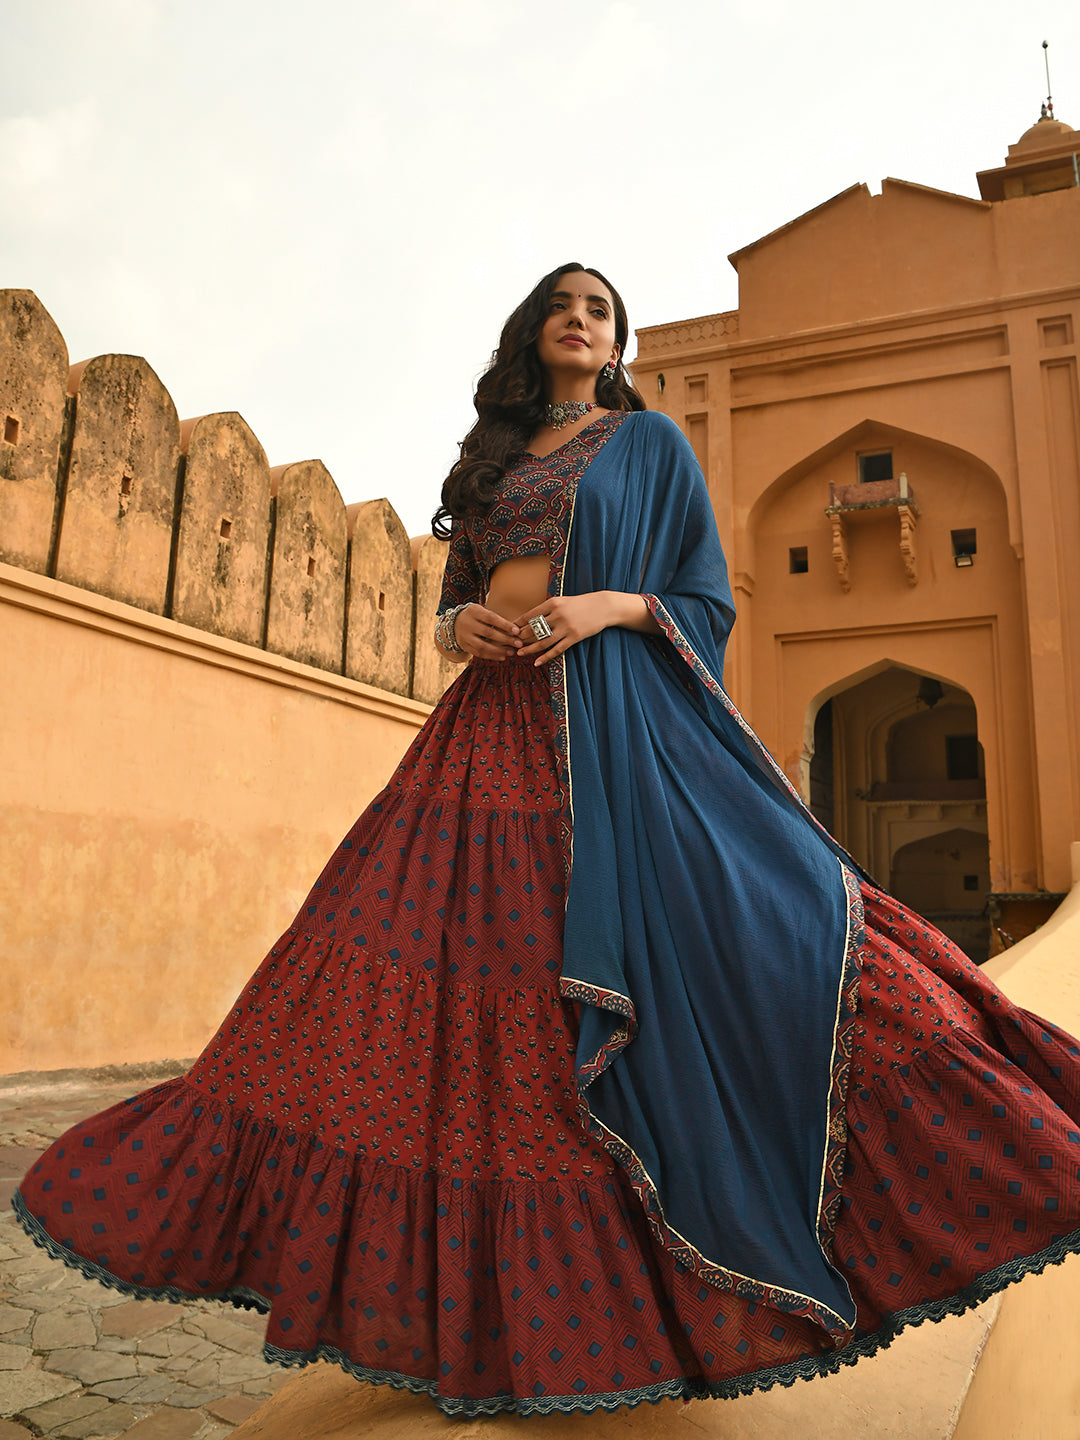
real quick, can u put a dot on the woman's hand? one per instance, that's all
(484, 634)
(573, 617)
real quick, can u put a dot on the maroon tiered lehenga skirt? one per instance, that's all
(382, 1149)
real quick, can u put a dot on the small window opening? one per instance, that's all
(226, 529)
(311, 565)
(962, 757)
(964, 547)
(798, 560)
(125, 485)
(877, 466)
(11, 430)
(382, 600)
(971, 882)
(660, 383)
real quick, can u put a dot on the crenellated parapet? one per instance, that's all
(102, 486)
(379, 619)
(703, 330)
(33, 402)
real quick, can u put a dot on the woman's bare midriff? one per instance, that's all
(516, 586)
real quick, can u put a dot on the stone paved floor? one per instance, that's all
(78, 1361)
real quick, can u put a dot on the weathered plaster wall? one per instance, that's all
(167, 797)
(33, 393)
(379, 619)
(117, 530)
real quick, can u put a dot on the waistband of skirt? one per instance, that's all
(516, 663)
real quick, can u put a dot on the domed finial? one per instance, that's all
(1048, 108)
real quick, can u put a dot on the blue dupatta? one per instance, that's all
(710, 922)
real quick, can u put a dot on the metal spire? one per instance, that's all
(1048, 108)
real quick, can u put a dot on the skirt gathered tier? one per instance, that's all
(382, 1148)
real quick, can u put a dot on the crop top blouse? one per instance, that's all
(527, 517)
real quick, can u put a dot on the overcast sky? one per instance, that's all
(320, 214)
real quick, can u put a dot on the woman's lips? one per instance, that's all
(572, 340)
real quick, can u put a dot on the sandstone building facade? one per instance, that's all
(890, 428)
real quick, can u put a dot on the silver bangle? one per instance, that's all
(446, 629)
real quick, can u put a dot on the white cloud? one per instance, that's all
(39, 153)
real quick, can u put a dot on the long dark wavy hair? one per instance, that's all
(510, 401)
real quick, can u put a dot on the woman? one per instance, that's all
(592, 1071)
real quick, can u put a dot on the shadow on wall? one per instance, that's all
(103, 487)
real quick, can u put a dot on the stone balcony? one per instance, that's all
(849, 502)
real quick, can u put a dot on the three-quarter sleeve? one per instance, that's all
(462, 580)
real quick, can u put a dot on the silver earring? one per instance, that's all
(609, 371)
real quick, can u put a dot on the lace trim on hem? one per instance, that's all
(493, 1404)
(869, 1342)
(241, 1296)
(806, 1367)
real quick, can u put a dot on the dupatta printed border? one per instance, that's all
(848, 997)
(621, 1005)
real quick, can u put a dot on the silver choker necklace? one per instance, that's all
(564, 412)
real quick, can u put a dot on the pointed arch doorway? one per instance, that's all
(898, 775)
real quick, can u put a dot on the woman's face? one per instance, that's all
(578, 336)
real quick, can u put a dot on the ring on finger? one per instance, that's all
(540, 627)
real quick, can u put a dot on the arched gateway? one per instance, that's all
(883, 663)
(897, 772)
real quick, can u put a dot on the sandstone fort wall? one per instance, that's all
(210, 666)
(104, 487)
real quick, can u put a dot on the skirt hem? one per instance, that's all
(240, 1296)
(807, 1367)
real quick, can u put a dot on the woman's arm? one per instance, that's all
(573, 617)
(464, 627)
(480, 632)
